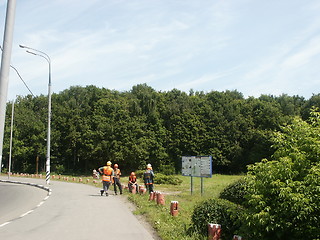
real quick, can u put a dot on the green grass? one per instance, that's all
(167, 226)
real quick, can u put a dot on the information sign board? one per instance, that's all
(197, 166)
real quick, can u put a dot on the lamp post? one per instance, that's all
(47, 58)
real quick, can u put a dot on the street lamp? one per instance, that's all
(47, 58)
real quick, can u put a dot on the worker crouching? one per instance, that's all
(132, 184)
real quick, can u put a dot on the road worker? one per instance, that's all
(148, 176)
(133, 182)
(116, 179)
(107, 177)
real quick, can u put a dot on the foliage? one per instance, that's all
(235, 192)
(166, 179)
(92, 125)
(167, 169)
(217, 211)
(283, 194)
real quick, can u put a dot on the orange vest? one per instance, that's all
(107, 173)
(132, 179)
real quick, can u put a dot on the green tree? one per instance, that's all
(283, 194)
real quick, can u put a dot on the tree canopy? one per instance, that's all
(92, 125)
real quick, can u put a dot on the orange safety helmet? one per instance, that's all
(115, 165)
(133, 174)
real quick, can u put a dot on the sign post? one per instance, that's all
(197, 166)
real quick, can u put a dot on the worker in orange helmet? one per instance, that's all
(133, 182)
(148, 176)
(107, 177)
(116, 179)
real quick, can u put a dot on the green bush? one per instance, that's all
(167, 169)
(283, 193)
(217, 211)
(160, 178)
(164, 179)
(235, 192)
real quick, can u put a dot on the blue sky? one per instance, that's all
(252, 46)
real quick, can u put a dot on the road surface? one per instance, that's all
(72, 211)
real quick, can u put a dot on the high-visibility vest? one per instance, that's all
(107, 173)
(133, 179)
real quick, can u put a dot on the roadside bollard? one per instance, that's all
(155, 196)
(151, 196)
(73, 179)
(174, 208)
(160, 198)
(134, 189)
(214, 231)
(236, 237)
(142, 189)
(94, 181)
(88, 180)
(80, 179)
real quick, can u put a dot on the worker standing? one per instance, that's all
(148, 176)
(133, 182)
(116, 179)
(107, 175)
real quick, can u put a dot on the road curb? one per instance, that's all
(30, 184)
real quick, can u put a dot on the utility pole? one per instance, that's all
(5, 68)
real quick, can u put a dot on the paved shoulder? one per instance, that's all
(77, 211)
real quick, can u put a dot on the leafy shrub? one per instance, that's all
(164, 179)
(283, 194)
(160, 178)
(218, 211)
(139, 173)
(167, 169)
(235, 192)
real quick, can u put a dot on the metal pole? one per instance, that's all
(201, 186)
(47, 58)
(5, 68)
(191, 185)
(49, 128)
(11, 133)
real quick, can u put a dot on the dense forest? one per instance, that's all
(92, 125)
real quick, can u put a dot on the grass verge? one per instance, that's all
(167, 226)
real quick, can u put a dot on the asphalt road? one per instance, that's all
(72, 211)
